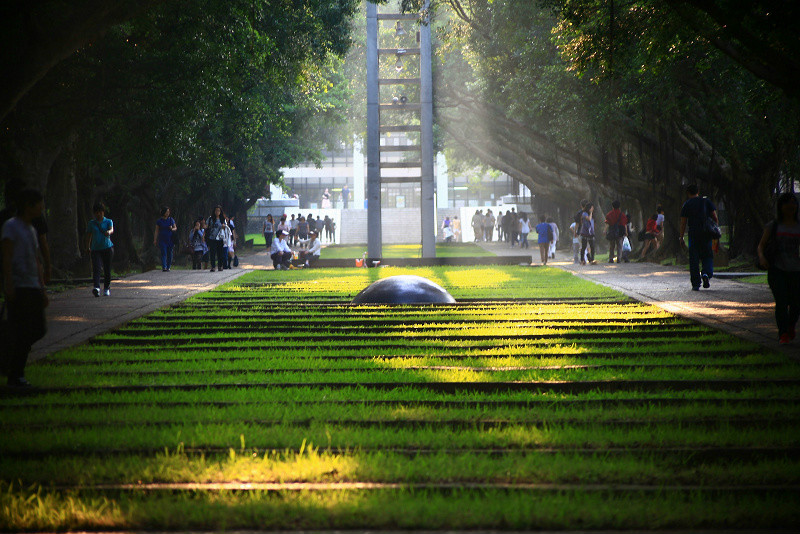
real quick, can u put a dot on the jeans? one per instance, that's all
(587, 240)
(101, 259)
(785, 286)
(524, 243)
(700, 251)
(27, 325)
(166, 254)
(217, 253)
(268, 238)
(576, 250)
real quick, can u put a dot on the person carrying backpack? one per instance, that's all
(617, 231)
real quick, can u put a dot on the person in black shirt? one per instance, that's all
(693, 216)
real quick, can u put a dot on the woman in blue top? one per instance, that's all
(162, 238)
(98, 242)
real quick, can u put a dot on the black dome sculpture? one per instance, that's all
(403, 289)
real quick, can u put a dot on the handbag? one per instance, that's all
(626, 244)
(710, 226)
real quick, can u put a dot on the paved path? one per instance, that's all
(76, 315)
(744, 310)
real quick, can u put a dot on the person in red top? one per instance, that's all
(651, 232)
(617, 231)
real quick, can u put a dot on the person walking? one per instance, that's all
(447, 230)
(556, 235)
(457, 229)
(100, 247)
(345, 196)
(545, 236)
(477, 225)
(587, 235)
(330, 230)
(617, 229)
(163, 238)
(694, 213)
(500, 234)
(268, 230)
(198, 243)
(215, 237)
(524, 230)
(227, 244)
(650, 235)
(23, 285)
(779, 253)
(660, 225)
(488, 226)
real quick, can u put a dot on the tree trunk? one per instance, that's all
(62, 209)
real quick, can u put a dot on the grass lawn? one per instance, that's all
(538, 401)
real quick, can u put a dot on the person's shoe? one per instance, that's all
(706, 283)
(695, 288)
(593, 262)
(107, 293)
(292, 267)
(785, 339)
(19, 382)
(96, 292)
(213, 269)
(583, 263)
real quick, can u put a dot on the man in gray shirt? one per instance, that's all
(23, 284)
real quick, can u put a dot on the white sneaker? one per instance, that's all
(107, 293)
(96, 292)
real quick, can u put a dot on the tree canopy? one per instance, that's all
(180, 104)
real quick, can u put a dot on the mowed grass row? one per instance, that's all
(272, 403)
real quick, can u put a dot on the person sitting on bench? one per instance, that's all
(280, 252)
(313, 248)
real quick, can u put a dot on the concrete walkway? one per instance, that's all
(75, 316)
(742, 309)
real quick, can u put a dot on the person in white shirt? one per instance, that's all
(227, 239)
(280, 252)
(576, 243)
(313, 250)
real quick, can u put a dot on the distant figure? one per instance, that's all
(488, 225)
(650, 235)
(499, 223)
(214, 238)
(447, 230)
(576, 242)
(330, 227)
(302, 231)
(345, 196)
(545, 236)
(293, 223)
(319, 226)
(198, 243)
(477, 225)
(587, 234)
(694, 213)
(101, 249)
(779, 253)
(524, 230)
(23, 284)
(617, 230)
(660, 224)
(556, 235)
(457, 228)
(268, 230)
(163, 238)
(326, 199)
